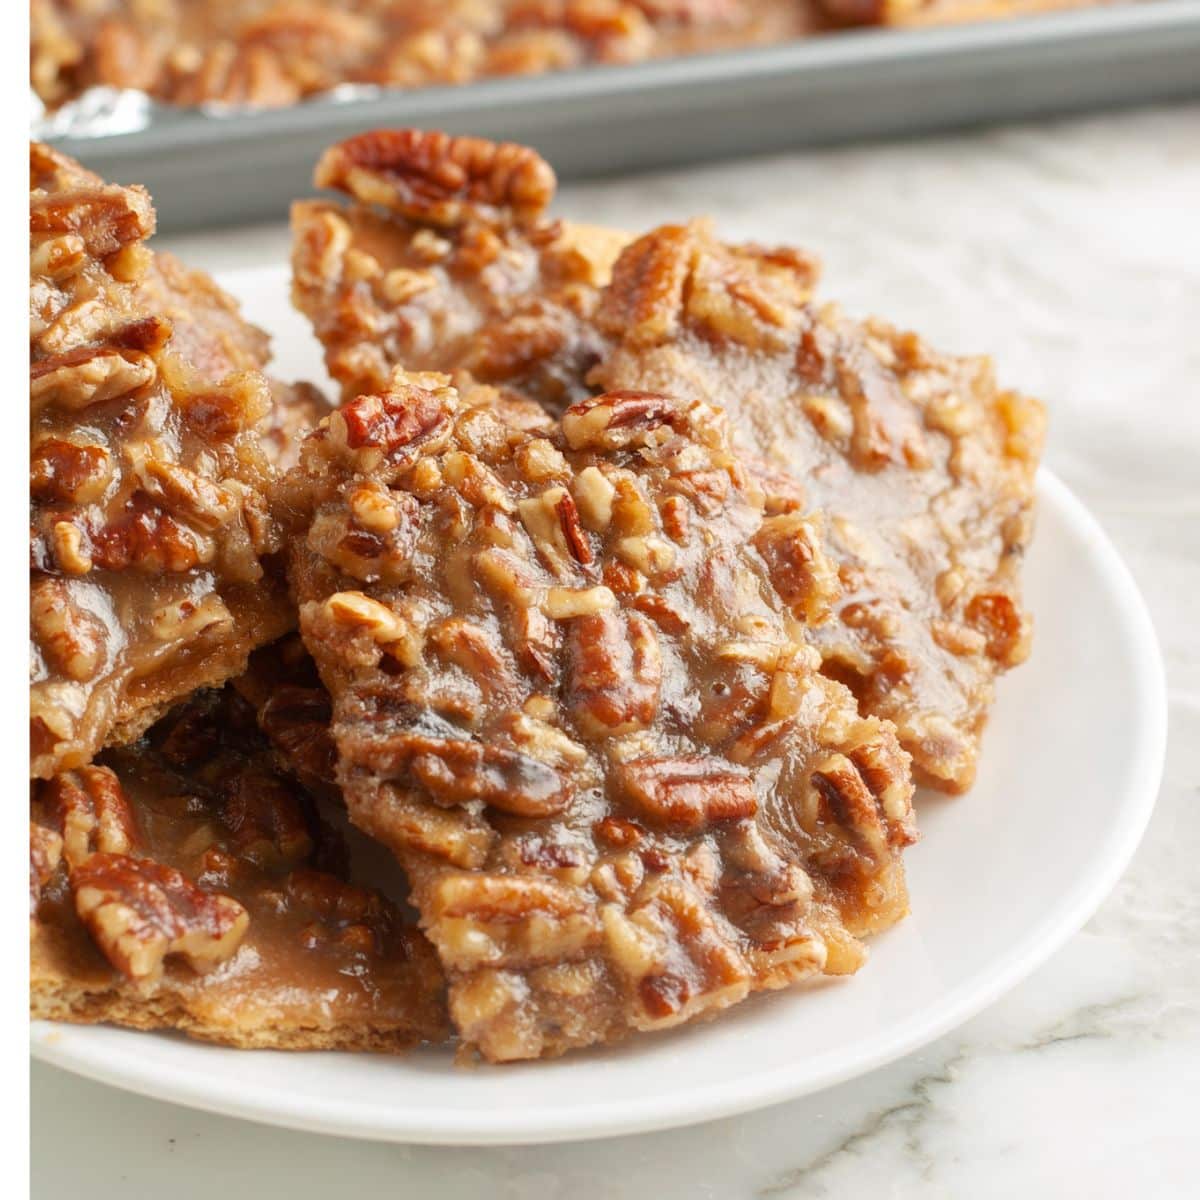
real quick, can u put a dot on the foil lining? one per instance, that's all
(109, 112)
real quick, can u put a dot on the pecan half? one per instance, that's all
(92, 813)
(686, 794)
(437, 178)
(616, 673)
(139, 912)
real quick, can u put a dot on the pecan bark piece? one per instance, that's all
(227, 847)
(920, 468)
(444, 235)
(151, 531)
(907, 454)
(617, 828)
(244, 53)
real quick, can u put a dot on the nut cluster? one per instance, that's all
(570, 690)
(266, 53)
(149, 519)
(919, 465)
(448, 260)
(137, 911)
(190, 849)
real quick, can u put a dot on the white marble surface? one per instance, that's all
(1072, 252)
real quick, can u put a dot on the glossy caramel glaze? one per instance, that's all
(571, 691)
(918, 466)
(184, 882)
(151, 536)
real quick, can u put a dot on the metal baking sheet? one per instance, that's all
(205, 169)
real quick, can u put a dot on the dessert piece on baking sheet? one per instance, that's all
(184, 883)
(272, 53)
(154, 438)
(917, 466)
(572, 693)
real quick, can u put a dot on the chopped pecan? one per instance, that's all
(644, 301)
(572, 529)
(508, 920)
(106, 220)
(841, 785)
(139, 912)
(353, 918)
(476, 651)
(266, 822)
(673, 952)
(73, 640)
(379, 550)
(144, 537)
(88, 376)
(619, 419)
(594, 498)
(92, 813)
(296, 719)
(537, 640)
(456, 771)
(1007, 630)
(374, 425)
(802, 572)
(64, 470)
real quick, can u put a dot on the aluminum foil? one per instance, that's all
(98, 112)
(107, 112)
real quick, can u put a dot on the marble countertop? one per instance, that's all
(1071, 251)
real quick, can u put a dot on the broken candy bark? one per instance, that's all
(571, 693)
(918, 466)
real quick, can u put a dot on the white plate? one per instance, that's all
(1002, 877)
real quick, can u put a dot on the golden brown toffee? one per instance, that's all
(917, 469)
(570, 692)
(268, 53)
(185, 882)
(149, 521)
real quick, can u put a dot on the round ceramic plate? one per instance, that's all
(1001, 878)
